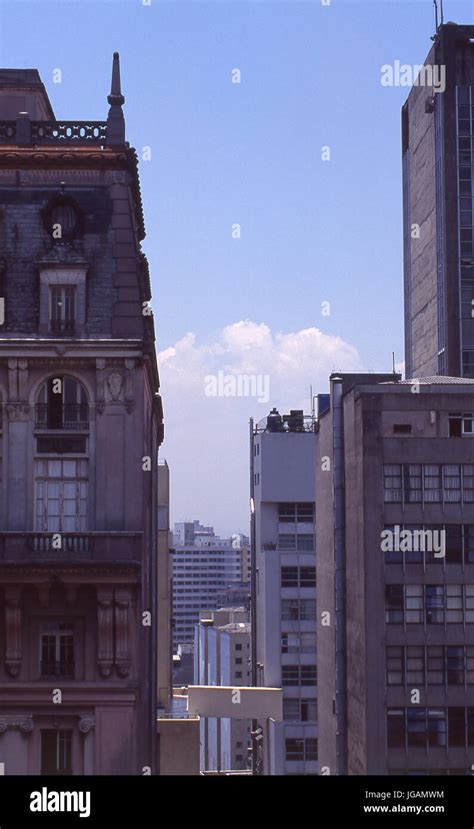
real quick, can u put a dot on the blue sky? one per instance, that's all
(248, 153)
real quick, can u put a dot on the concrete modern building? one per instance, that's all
(438, 170)
(284, 588)
(222, 657)
(395, 571)
(80, 568)
(204, 567)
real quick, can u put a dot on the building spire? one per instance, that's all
(115, 119)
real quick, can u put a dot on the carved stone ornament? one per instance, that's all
(18, 412)
(114, 382)
(86, 724)
(24, 724)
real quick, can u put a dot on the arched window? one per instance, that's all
(62, 404)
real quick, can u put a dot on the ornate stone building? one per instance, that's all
(81, 428)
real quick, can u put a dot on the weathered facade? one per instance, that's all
(396, 606)
(438, 186)
(81, 427)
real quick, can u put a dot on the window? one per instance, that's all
(290, 675)
(431, 484)
(291, 709)
(468, 483)
(416, 727)
(238, 647)
(402, 428)
(309, 710)
(395, 666)
(394, 603)
(290, 610)
(287, 541)
(412, 483)
(308, 577)
(415, 665)
(62, 309)
(455, 664)
(289, 577)
(309, 675)
(301, 749)
(61, 495)
(307, 610)
(396, 728)
(294, 749)
(413, 603)
(238, 674)
(469, 603)
(456, 727)
(305, 542)
(62, 404)
(454, 603)
(452, 483)
(454, 544)
(436, 727)
(434, 599)
(57, 649)
(435, 666)
(392, 483)
(56, 751)
(296, 513)
(461, 425)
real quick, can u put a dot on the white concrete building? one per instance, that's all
(284, 588)
(222, 657)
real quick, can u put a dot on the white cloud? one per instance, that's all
(206, 438)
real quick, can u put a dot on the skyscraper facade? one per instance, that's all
(438, 189)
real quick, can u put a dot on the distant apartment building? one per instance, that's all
(438, 188)
(284, 588)
(222, 657)
(395, 569)
(205, 566)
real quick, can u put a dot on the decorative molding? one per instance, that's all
(86, 724)
(122, 632)
(18, 412)
(105, 632)
(13, 650)
(115, 386)
(24, 723)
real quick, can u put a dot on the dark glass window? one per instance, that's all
(396, 728)
(56, 751)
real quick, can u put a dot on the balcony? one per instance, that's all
(63, 668)
(76, 133)
(74, 416)
(63, 328)
(77, 548)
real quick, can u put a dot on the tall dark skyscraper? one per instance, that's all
(438, 170)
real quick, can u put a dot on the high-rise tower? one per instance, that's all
(438, 188)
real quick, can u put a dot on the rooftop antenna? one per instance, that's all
(435, 4)
(441, 10)
(393, 362)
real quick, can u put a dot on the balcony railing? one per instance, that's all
(63, 327)
(97, 547)
(88, 133)
(67, 416)
(64, 669)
